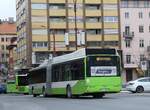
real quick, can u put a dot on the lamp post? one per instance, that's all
(54, 48)
(75, 12)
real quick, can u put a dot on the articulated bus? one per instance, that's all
(84, 72)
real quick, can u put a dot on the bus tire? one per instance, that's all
(32, 91)
(44, 92)
(34, 95)
(68, 92)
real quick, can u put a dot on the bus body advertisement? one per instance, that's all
(83, 72)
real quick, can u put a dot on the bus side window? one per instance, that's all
(68, 72)
(77, 69)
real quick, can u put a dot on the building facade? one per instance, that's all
(135, 32)
(7, 31)
(62, 26)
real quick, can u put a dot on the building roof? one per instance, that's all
(7, 28)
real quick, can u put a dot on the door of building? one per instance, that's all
(129, 75)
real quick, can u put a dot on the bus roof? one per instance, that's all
(42, 65)
(81, 53)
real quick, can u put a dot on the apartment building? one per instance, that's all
(62, 26)
(135, 32)
(7, 31)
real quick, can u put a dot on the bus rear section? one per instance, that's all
(11, 86)
(22, 84)
(22, 81)
(93, 75)
(103, 75)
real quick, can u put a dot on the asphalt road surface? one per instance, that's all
(121, 101)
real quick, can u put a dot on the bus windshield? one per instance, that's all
(22, 80)
(103, 66)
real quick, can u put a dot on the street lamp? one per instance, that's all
(75, 12)
(54, 46)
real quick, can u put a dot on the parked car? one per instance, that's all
(139, 85)
(2, 88)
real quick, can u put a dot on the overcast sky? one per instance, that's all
(7, 9)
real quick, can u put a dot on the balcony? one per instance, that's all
(128, 36)
(131, 65)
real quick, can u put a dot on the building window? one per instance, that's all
(146, 4)
(2, 47)
(93, 19)
(136, 4)
(110, 31)
(72, 19)
(39, 6)
(149, 28)
(39, 31)
(93, 7)
(141, 43)
(78, 6)
(124, 4)
(127, 30)
(111, 43)
(128, 59)
(2, 39)
(110, 6)
(142, 57)
(128, 43)
(57, 19)
(58, 31)
(94, 31)
(57, 6)
(111, 19)
(141, 29)
(39, 44)
(140, 15)
(126, 15)
(39, 19)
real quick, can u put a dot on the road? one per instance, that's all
(121, 101)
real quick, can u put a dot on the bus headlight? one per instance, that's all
(87, 81)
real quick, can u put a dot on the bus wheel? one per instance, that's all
(44, 92)
(68, 92)
(34, 95)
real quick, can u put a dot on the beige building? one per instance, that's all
(135, 32)
(7, 31)
(42, 26)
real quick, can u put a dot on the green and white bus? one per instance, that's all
(11, 86)
(84, 72)
(20, 82)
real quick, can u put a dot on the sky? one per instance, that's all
(7, 9)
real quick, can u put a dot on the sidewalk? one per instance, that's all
(124, 90)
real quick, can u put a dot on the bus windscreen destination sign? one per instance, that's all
(103, 70)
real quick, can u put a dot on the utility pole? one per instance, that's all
(54, 48)
(75, 12)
